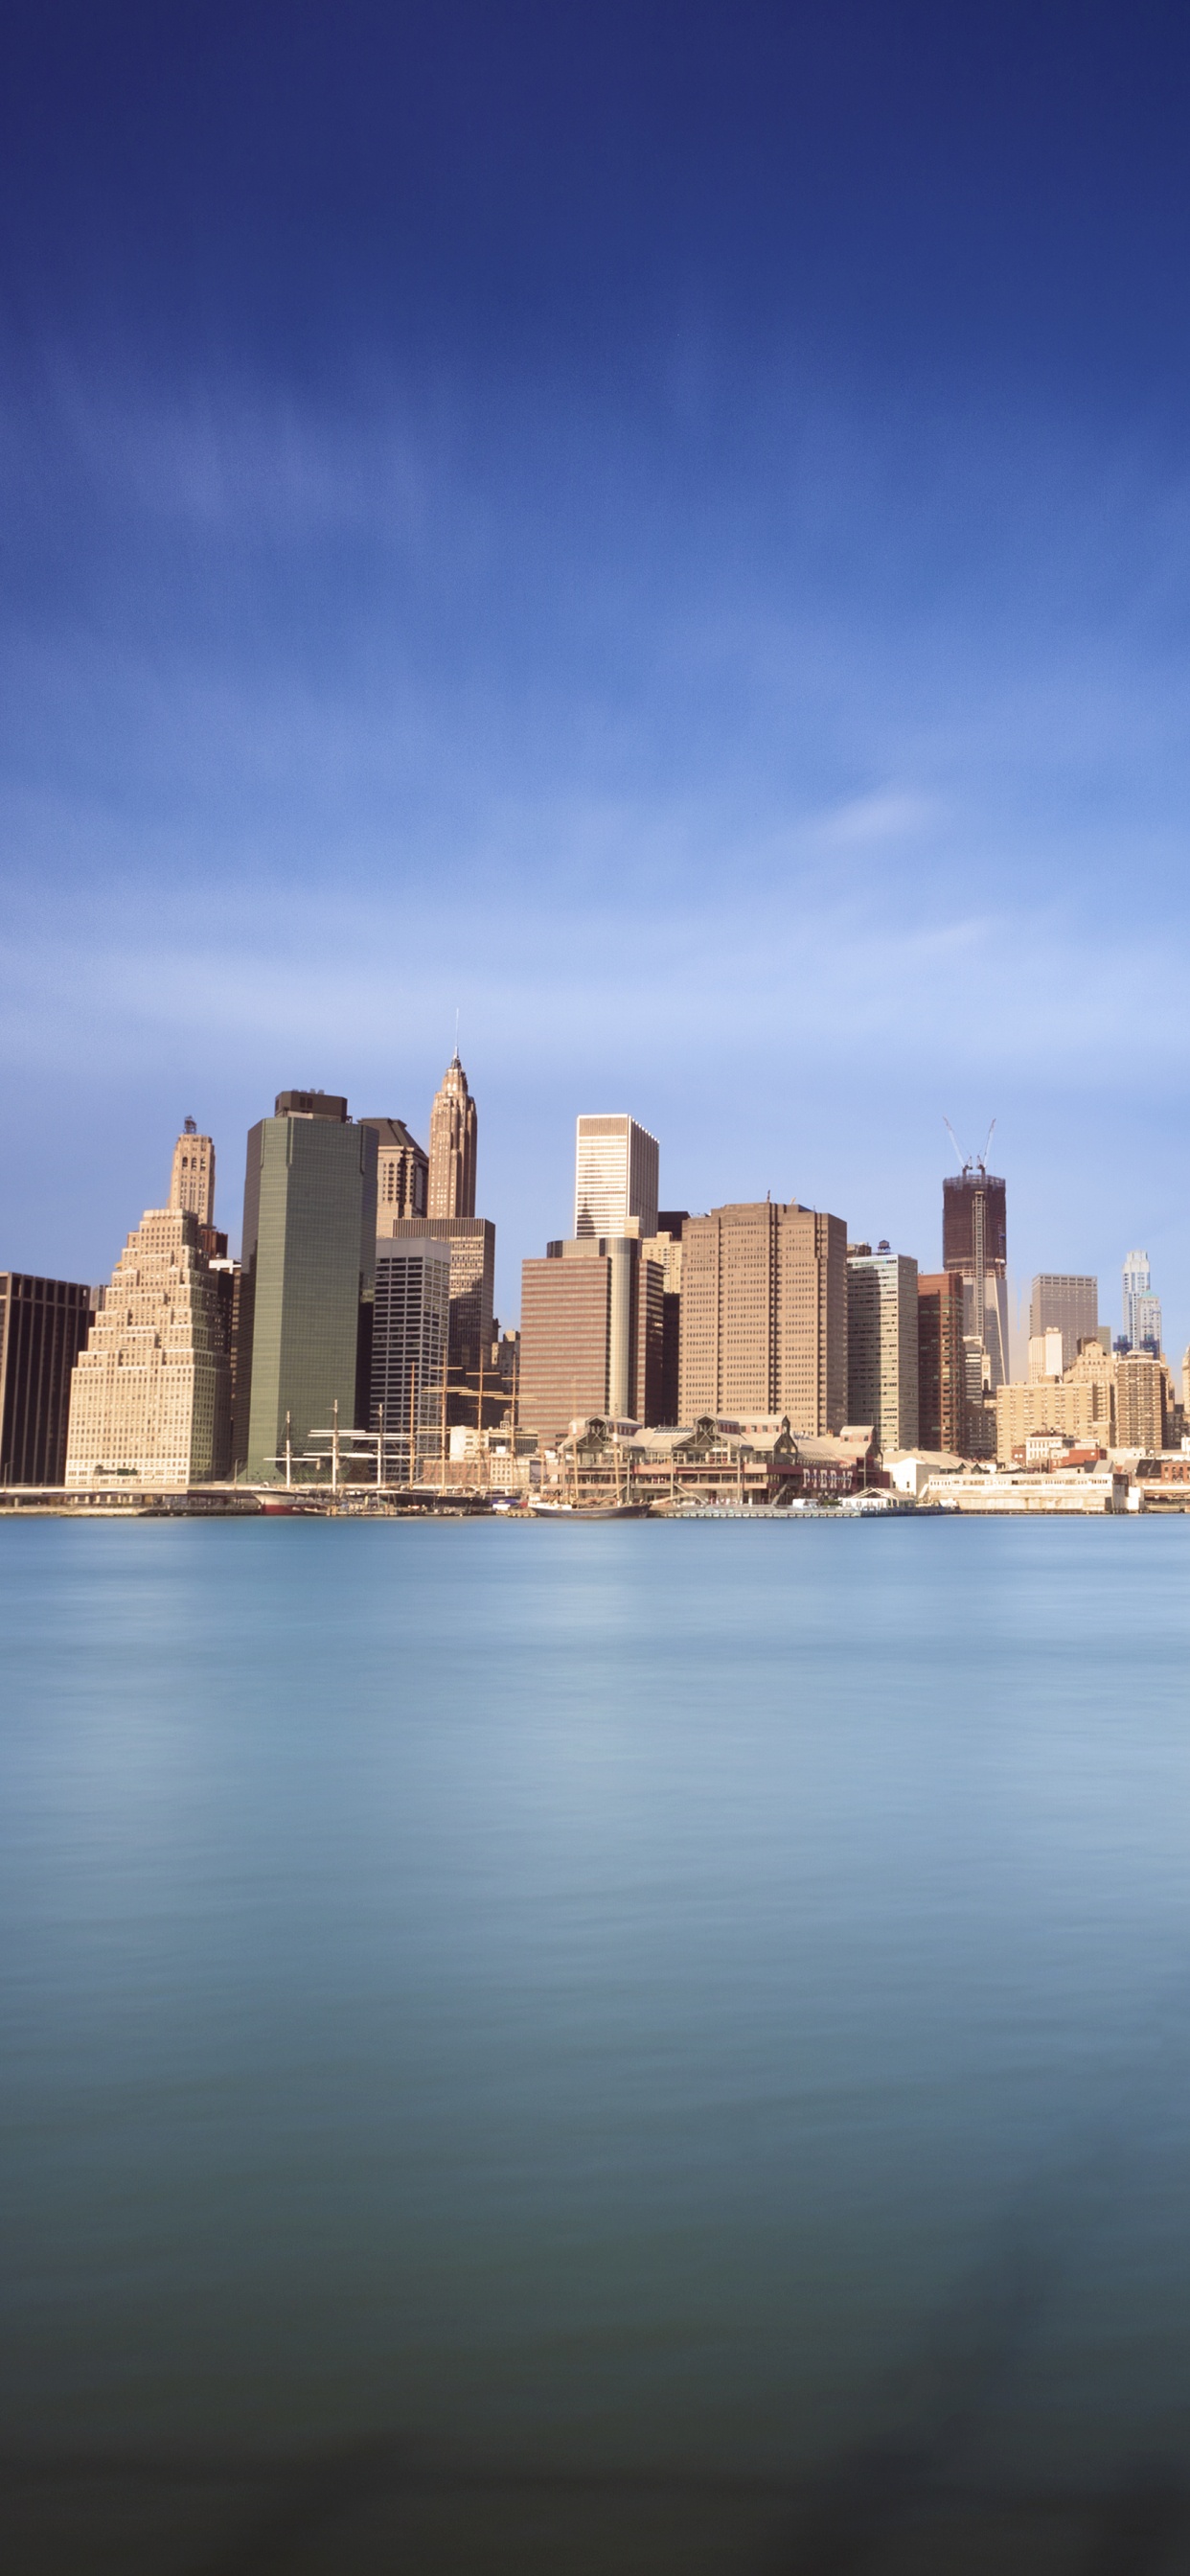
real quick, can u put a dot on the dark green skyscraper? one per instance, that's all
(309, 1263)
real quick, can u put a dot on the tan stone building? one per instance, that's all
(149, 1398)
(454, 1136)
(1140, 1403)
(592, 1322)
(764, 1315)
(402, 1171)
(1079, 1411)
(192, 1180)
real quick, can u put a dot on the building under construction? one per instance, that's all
(975, 1244)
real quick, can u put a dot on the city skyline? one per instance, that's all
(504, 1290)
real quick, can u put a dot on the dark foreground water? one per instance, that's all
(602, 2049)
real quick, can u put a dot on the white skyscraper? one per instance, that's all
(1142, 1310)
(615, 1177)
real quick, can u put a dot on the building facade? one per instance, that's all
(1046, 1355)
(616, 1166)
(592, 1325)
(666, 1247)
(882, 1346)
(941, 1379)
(471, 1242)
(454, 1140)
(307, 1277)
(1140, 1403)
(192, 1179)
(1142, 1310)
(1067, 1302)
(764, 1315)
(402, 1171)
(975, 1243)
(149, 1398)
(410, 1337)
(43, 1327)
(1078, 1409)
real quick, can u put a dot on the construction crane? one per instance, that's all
(968, 1162)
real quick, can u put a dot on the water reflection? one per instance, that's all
(642, 2050)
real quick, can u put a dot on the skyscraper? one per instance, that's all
(1140, 1402)
(882, 1345)
(409, 1342)
(764, 1315)
(975, 1242)
(592, 1333)
(666, 1247)
(454, 1134)
(1142, 1310)
(43, 1327)
(615, 1177)
(192, 1180)
(402, 1171)
(1065, 1301)
(471, 1243)
(149, 1398)
(941, 1380)
(308, 1273)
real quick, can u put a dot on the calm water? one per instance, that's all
(622, 2049)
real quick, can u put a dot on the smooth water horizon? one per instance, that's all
(612, 2047)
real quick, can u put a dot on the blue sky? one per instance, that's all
(665, 529)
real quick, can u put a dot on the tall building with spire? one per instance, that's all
(454, 1131)
(192, 1180)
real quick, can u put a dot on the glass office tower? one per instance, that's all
(308, 1275)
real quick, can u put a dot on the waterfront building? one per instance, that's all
(454, 1137)
(592, 1324)
(882, 1345)
(402, 1171)
(410, 1338)
(1140, 1402)
(1098, 1488)
(192, 1179)
(471, 1242)
(1065, 1301)
(307, 1279)
(1142, 1310)
(764, 1315)
(616, 1164)
(975, 1243)
(149, 1399)
(43, 1327)
(941, 1381)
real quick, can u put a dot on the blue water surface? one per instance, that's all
(605, 2047)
